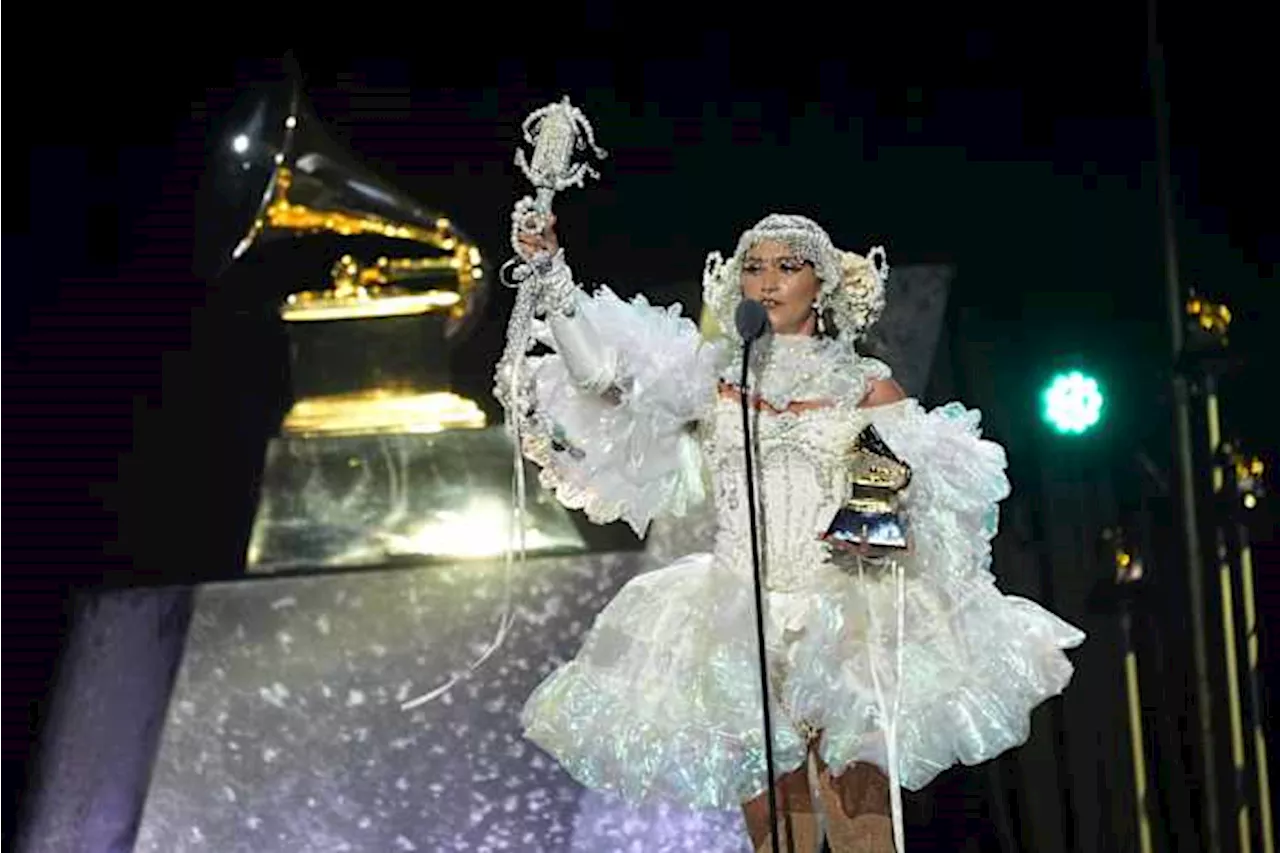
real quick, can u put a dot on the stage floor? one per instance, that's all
(285, 729)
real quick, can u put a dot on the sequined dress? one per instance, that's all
(663, 699)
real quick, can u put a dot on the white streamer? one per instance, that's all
(818, 808)
(891, 723)
(517, 347)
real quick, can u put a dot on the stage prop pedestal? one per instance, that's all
(339, 502)
(286, 732)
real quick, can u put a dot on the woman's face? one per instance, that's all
(785, 283)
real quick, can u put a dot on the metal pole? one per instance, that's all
(1136, 740)
(1182, 426)
(1255, 689)
(1233, 698)
(1229, 645)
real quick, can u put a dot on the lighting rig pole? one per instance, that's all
(1128, 582)
(1236, 483)
(1184, 457)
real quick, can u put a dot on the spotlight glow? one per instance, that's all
(1072, 403)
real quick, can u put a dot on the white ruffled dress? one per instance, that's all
(663, 699)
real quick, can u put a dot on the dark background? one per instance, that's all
(1019, 148)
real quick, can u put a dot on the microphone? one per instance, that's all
(752, 321)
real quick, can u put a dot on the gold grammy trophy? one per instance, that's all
(872, 514)
(377, 461)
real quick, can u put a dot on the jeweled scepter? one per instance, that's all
(555, 131)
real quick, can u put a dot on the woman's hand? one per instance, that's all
(545, 243)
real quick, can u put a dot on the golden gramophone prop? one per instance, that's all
(872, 515)
(374, 287)
(378, 462)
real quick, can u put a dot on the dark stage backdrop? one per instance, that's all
(138, 398)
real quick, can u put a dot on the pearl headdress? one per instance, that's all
(852, 286)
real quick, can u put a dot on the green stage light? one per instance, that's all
(1072, 403)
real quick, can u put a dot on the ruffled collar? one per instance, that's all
(786, 369)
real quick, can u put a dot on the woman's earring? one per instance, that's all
(821, 324)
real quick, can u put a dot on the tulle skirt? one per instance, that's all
(663, 701)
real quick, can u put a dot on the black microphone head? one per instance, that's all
(752, 320)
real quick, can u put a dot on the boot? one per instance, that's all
(856, 805)
(797, 817)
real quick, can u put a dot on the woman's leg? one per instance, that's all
(856, 805)
(797, 816)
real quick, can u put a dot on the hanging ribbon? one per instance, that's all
(889, 720)
(510, 392)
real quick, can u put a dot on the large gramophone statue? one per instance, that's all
(377, 460)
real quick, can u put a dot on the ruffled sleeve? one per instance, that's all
(957, 482)
(945, 669)
(635, 457)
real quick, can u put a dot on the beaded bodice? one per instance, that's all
(800, 461)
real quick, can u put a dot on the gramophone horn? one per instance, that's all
(274, 173)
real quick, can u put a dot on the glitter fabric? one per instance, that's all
(662, 701)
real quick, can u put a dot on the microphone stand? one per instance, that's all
(755, 574)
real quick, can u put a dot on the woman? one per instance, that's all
(885, 669)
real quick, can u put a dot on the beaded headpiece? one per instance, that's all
(852, 286)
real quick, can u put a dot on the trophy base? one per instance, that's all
(354, 354)
(851, 529)
(380, 412)
(368, 500)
